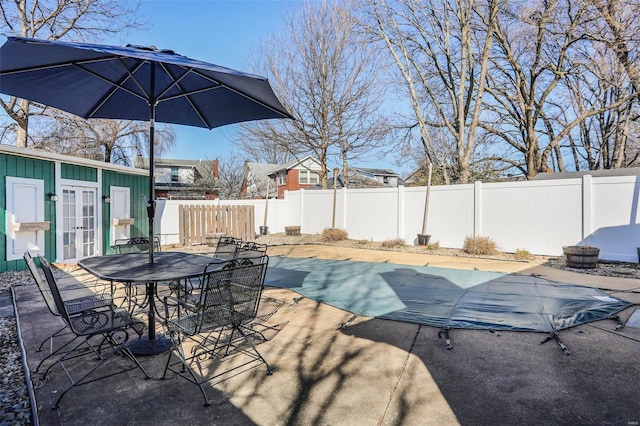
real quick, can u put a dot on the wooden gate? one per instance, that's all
(197, 222)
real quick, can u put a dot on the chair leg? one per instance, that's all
(50, 339)
(246, 338)
(186, 367)
(120, 349)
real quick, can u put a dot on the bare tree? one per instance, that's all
(603, 139)
(326, 78)
(259, 144)
(55, 19)
(111, 141)
(619, 30)
(535, 55)
(231, 173)
(441, 50)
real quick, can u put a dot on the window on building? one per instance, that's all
(282, 178)
(174, 174)
(308, 177)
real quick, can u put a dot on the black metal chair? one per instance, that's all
(136, 245)
(217, 321)
(74, 306)
(227, 248)
(108, 324)
(251, 249)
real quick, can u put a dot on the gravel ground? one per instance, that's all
(15, 406)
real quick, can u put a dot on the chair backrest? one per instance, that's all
(251, 249)
(53, 287)
(42, 285)
(136, 245)
(231, 295)
(227, 248)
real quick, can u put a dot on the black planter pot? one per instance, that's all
(581, 256)
(423, 239)
(264, 230)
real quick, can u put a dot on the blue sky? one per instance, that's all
(223, 32)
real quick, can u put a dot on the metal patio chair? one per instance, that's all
(109, 324)
(251, 249)
(136, 245)
(74, 306)
(216, 322)
(227, 248)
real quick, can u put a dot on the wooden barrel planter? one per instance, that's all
(581, 256)
(292, 230)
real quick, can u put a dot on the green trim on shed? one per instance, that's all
(30, 168)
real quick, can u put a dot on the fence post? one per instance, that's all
(477, 208)
(400, 212)
(345, 198)
(301, 209)
(587, 207)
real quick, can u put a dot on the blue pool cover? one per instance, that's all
(442, 297)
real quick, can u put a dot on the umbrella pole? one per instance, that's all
(151, 204)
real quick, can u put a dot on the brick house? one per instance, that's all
(277, 178)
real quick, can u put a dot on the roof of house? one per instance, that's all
(259, 173)
(51, 156)
(202, 167)
(360, 177)
(629, 171)
(293, 163)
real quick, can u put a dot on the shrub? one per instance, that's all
(398, 242)
(433, 246)
(522, 255)
(334, 234)
(363, 242)
(479, 245)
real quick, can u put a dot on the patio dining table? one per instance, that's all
(135, 268)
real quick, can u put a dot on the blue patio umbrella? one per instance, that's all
(134, 83)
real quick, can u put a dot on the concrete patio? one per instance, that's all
(374, 371)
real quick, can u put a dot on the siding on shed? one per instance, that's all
(31, 168)
(76, 172)
(139, 186)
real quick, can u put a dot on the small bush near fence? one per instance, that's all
(522, 255)
(479, 245)
(333, 234)
(398, 242)
(433, 246)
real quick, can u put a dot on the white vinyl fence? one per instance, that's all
(538, 216)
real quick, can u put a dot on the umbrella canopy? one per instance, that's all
(133, 83)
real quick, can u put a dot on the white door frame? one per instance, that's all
(79, 186)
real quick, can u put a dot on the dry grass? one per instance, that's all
(334, 234)
(521, 254)
(396, 243)
(479, 245)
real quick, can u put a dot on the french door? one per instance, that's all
(79, 207)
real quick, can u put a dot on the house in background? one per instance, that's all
(277, 178)
(66, 208)
(361, 177)
(183, 179)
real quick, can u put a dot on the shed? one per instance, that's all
(66, 208)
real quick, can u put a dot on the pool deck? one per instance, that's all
(375, 372)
